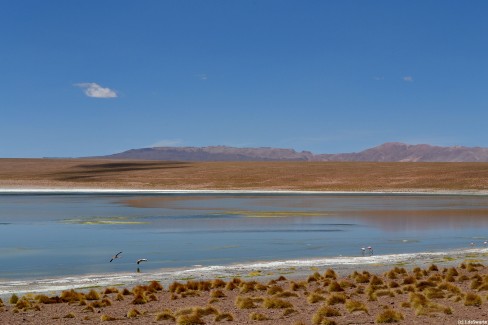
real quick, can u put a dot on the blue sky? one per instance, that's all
(82, 78)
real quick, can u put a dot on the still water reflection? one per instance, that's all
(51, 235)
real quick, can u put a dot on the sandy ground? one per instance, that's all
(432, 295)
(299, 176)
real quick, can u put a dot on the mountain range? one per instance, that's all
(387, 152)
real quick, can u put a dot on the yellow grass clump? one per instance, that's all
(322, 314)
(224, 317)
(336, 298)
(276, 303)
(389, 316)
(92, 295)
(107, 318)
(133, 313)
(258, 317)
(354, 305)
(165, 315)
(244, 303)
(472, 299)
(314, 298)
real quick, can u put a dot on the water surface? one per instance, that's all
(49, 235)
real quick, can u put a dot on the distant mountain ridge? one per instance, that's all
(387, 152)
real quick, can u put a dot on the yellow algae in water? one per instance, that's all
(104, 221)
(275, 214)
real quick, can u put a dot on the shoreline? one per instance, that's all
(256, 270)
(233, 191)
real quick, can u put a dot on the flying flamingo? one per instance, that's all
(115, 256)
(141, 260)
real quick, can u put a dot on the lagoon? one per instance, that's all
(57, 235)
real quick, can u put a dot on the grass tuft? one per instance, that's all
(244, 303)
(133, 313)
(389, 316)
(258, 317)
(224, 317)
(276, 303)
(165, 315)
(354, 305)
(107, 318)
(472, 299)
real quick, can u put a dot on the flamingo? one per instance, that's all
(472, 244)
(370, 250)
(363, 250)
(115, 256)
(141, 260)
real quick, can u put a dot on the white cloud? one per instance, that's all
(92, 89)
(408, 78)
(167, 143)
(202, 76)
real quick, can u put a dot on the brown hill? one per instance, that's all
(387, 152)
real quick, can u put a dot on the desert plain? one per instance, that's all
(449, 293)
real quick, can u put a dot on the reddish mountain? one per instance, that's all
(392, 151)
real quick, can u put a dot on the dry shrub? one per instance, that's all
(336, 299)
(165, 315)
(139, 300)
(92, 295)
(289, 311)
(133, 313)
(434, 293)
(421, 285)
(107, 318)
(314, 298)
(274, 289)
(375, 281)
(70, 315)
(247, 287)
(449, 287)
(189, 320)
(354, 305)
(13, 299)
(176, 287)
(126, 292)
(111, 290)
(258, 317)
(322, 314)
(347, 284)
(472, 299)
(297, 286)
(433, 268)
(286, 294)
(335, 287)
(330, 274)
(119, 297)
(452, 272)
(389, 316)
(276, 303)
(244, 303)
(409, 280)
(380, 293)
(217, 294)
(363, 277)
(72, 296)
(218, 283)
(393, 284)
(205, 311)
(230, 286)
(155, 285)
(224, 317)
